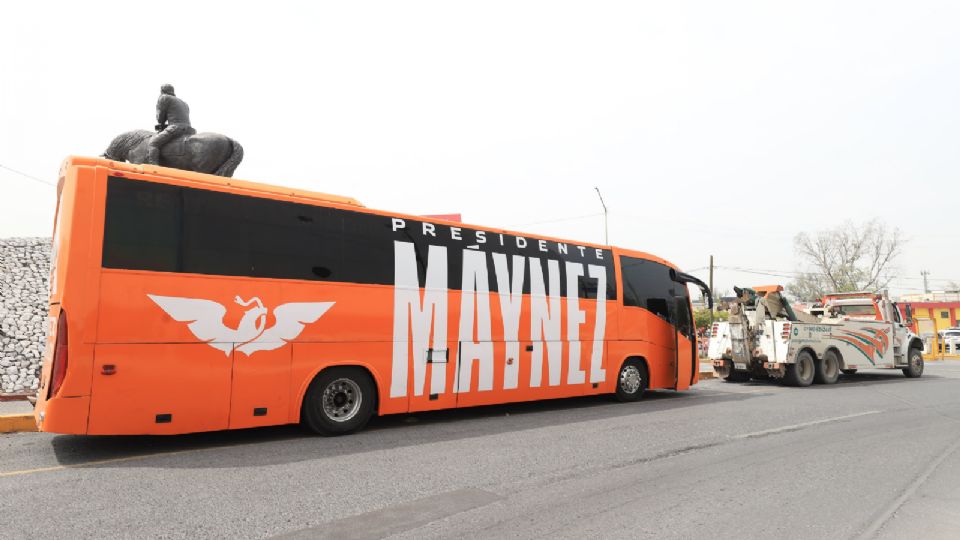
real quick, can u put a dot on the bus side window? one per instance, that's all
(647, 284)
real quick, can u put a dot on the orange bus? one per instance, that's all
(183, 302)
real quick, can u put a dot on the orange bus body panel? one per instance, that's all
(164, 352)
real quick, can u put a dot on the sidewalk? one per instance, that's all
(20, 406)
(16, 416)
(706, 371)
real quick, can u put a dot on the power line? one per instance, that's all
(792, 274)
(25, 175)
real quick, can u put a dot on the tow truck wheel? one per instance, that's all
(802, 372)
(828, 369)
(915, 367)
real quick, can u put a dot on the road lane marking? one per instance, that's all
(795, 427)
(398, 517)
(53, 468)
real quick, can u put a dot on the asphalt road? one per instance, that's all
(875, 456)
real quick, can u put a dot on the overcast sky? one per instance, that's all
(719, 128)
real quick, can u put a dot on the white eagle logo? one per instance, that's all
(205, 320)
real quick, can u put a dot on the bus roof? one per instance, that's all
(202, 178)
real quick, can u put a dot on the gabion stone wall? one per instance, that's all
(24, 291)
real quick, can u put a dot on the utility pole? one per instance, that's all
(606, 230)
(710, 301)
(925, 273)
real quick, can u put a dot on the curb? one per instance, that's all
(16, 423)
(707, 375)
(17, 397)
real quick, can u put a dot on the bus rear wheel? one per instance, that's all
(340, 400)
(631, 381)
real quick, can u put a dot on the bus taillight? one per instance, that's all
(59, 369)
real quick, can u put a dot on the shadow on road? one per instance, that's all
(862, 378)
(287, 444)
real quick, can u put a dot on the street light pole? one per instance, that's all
(606, 229)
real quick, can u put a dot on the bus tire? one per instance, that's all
(340, 400)
(828, 368)
(849, 372)
(914, 367)
(631, 381)
(802, 371)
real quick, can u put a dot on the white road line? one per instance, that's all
(795, 427)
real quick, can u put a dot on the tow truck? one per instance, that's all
(736, 346)
(859, 330)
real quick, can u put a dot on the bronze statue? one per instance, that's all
(177, 144)
(173, 120)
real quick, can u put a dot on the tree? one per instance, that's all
(846, 258)
(702, 317)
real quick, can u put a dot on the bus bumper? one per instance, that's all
(63, 415)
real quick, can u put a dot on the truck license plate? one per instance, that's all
(741, 365)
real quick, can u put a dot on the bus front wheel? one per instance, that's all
(340, 400)
(631, 381)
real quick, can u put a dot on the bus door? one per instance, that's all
(687, 353)
(685, 343)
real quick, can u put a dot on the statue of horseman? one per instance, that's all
(173, 121)
(175, 143)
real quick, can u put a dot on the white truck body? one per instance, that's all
(755, 345)
(860, 344)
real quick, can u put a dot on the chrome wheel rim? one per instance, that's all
(341, 400)
(917, 362)
(630, 379)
